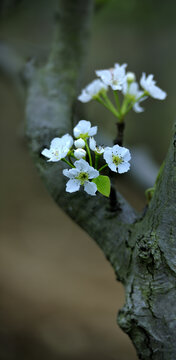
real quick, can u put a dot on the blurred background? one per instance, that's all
(59, 296)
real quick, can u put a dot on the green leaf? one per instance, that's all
(103, 184)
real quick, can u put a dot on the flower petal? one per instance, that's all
(67, 140)
(84, 97)
(71, 173)
(92, 131)
(112, 166)
(55, 143)
(123, 167)
(108, 155)
(93, 173)
(137, 108)
(47, 153)
(81, 165)
(90, 188)
(92, 143)
(73, 185)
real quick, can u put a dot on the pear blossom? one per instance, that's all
(83, 129)
(91, 90)
(93, 146)
(80, 143)
(79, 153)
(59, 148)
(149, 85)
(133, 93)
(114, 77)
(117, 158)
(80, 175)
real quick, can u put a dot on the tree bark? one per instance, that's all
(140, 248)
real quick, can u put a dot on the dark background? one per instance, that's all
(59, 297)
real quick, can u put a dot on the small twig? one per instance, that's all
(120, 133)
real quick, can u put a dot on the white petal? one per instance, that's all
(73, 185)
(67, 140)
(90, 188)
(81, 165)
(84, 97)
(92, 144)
(93, 173)
(71, 173)
(117, 150)
(137, 108)
(47, 153)
(92, 131)
(157, 93)
(112, 166)
(66, 172)
(143, 80)
(108, 155)
(124, 167)
(95, 87)
(127, 156)
(105, 75)
(56, 143)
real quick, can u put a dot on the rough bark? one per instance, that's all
(141, 249)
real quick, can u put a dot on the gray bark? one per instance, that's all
(141, 249)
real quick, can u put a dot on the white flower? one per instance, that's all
(148, 84)
(83, 129)
(80, 143)
(59, 148)
(114, 77)
(117, 158)
(91, 90)
(80, 175)
(130, 77)
(79, 153)
(133, 93)
(98, 149)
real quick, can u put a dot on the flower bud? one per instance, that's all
(80, 143)
(131, 77)
(79, 153)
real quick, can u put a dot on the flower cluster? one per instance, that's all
(82, 155)
(118, 79)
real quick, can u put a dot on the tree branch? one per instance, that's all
(141, 250)
(149, 315)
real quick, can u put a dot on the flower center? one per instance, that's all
(55, 153)
(116, 160)
(83, 176)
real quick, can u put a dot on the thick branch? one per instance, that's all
(149, 315)
(142, 252)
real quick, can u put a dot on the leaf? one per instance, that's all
(103, 184)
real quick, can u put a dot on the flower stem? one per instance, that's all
(107, 103)
(96, 160)
(88, 151)
(103, 167)
(70, 160)
(110, 104)
(68, 163)
(116, 96)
